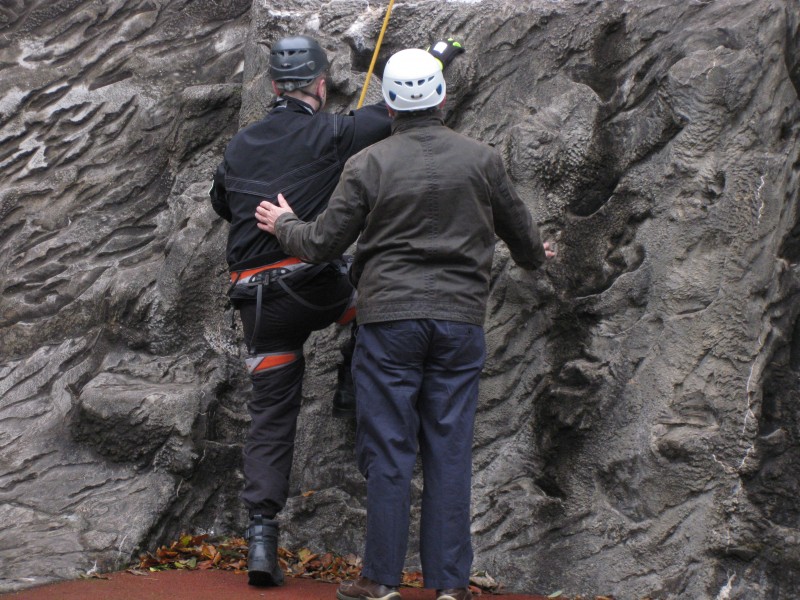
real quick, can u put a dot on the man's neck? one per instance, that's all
(305, 99)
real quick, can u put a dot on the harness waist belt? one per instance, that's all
(267, 273)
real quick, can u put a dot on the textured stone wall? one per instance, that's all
(640, 411)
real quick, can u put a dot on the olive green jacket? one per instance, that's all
(425, 204)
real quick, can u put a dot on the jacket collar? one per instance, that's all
(403, 122)
(293, 104)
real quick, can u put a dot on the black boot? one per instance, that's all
(344, 399)
(262, 557)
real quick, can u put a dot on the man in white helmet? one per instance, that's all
(427, 204)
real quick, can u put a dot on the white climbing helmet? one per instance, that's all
(413, 80)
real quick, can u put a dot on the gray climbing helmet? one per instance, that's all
(296, 61)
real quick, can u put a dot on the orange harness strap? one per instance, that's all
(349, 314)
(272, 360)
(244, 276)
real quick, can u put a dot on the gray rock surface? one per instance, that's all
(640, 410)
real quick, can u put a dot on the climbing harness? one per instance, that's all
(271, 360)
(349, 314)
(268, 273)
(242, 283)
(375, 54)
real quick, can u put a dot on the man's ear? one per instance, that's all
(275, 89)
(322, 92)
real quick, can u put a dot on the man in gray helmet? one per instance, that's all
(295, 149)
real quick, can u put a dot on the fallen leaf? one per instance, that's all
(137, 572)
(484, 581)
(93, 575)
(305, 555)
(412, 579)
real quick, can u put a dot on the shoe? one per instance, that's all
(366, 589)
(263, 569)
(454, 594)
(344, 399)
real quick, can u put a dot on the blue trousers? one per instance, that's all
(417, 389)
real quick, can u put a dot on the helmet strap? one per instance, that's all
(292, 87)
(319, 100)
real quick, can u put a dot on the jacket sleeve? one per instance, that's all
(219, 200)
(331, 233)
(363, 127)
(512, 220)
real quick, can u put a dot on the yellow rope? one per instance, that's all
(375, 54)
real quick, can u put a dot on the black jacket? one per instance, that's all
(292, 151)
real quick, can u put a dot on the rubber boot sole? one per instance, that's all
(263, 579)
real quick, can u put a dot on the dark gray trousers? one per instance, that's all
(286, 322)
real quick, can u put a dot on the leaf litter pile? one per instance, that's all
(230, 554)
(193, 552)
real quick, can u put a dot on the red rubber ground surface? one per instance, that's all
(200, 585)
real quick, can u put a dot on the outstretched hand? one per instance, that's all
(548, 253)
(446, 50)
(267, 213)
